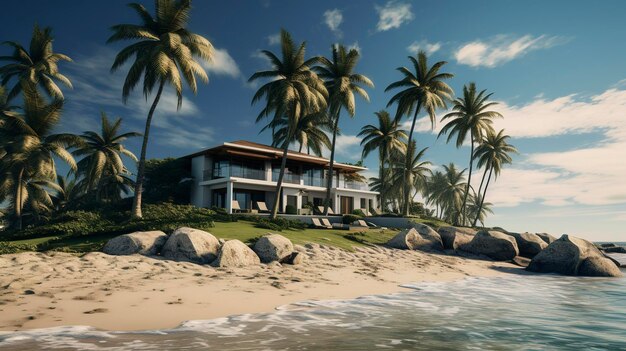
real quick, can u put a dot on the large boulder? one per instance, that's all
(529, 244)
(549, 239)
(273, 247)
(234, 253)
(493, 244)
(412, 239)
(573, 256)
(191, 245)
(144, 243)
(456, 238)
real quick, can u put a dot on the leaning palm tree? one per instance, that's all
(470, 114)
(409, 166)
(422, 89)
(165, 50)
(493, 153)
(342, 83)
(36, 66)
(102, 155)
(29, 150)
(292, 92)
(386, 137)
(309, 133)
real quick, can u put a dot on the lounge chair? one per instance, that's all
(326, 222)
(365, 212)
(317, 224)
(235, 206)
(321, 210)
(262, 207)
(375, 212)
(361, 223)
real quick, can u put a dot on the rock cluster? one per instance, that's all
(197, 246)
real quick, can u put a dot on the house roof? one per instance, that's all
(247, 148)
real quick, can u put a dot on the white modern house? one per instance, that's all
(244, 173)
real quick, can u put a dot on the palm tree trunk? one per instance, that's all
(279, 184)
(329, 182)
(481, 181)
(480, 207)
(383, 157)
(469, 181)
(18, 199)
(406, 165)
(300, 150)
(136, 213)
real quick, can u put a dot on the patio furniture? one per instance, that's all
(326, 222)
(262, 207)
(361, 223)
(305, 211)
(365, 212)
(317, 224)
(321, 210)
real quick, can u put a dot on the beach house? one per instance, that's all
(242, 176)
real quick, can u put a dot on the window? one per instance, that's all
(363, 203)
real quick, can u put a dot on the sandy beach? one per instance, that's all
(39, 290)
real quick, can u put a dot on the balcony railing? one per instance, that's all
(355, 185)
(240, 172)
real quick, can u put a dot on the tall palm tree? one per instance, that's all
(292, 92)
(386, 137)
(409, 166)
(422, 89)
(493, 153)
(342, 83)
(434, 191)
(29, 149)
(102, 155)
(470, 114)
(36, 66)
(478, 209)
(309, 133)
(164, 50)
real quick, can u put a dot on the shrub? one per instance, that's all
(9, 248)
(358, 212)
(290, 209)
(278, 223)
(350, 218)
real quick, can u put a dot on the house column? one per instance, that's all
(268, 171)
(229, 197)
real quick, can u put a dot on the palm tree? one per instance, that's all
(29, 149)
(165, 50)
(434, 191)
(309, 133)
(478, 209)
(342, 83)
(102, 155)
(37, 66)
(409, 167)
(292, 92)
(493, 153)
(423, 89)
(386, 137)
(470, 114)
(452, 193)
(67, 194)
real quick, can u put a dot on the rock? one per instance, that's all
(432, 239)
(615, 249)
(494, 244)
(273, 247)
(454, 238)
(144, 243)
(529, 244)
(549, 239)
(29, 292)
(411, 239)
(598, 267)
(234, 253)
(295, 258)
(521, 261)
(566, 256)
(191, 245)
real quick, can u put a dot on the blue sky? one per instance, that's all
(558, 69)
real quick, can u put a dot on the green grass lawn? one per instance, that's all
(243, 230)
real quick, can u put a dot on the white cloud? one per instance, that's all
(430, 48)
(393, 15)
(347, 148)
(222, 64)
(355, 46)
(502, 48)
(273, 39)
(333, 19)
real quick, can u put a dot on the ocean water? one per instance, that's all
(522, 312)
